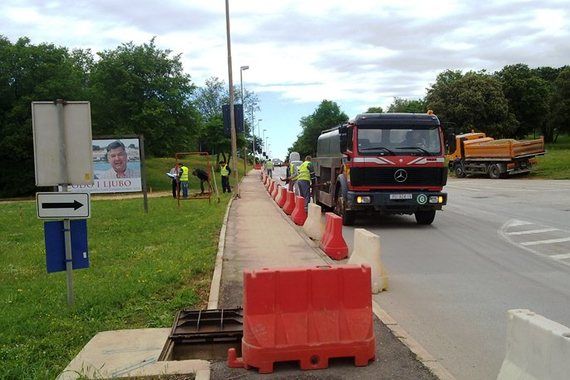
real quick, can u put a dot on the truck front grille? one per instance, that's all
(386, 176)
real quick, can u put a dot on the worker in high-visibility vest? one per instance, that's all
(225, 172)
(183, 179)
(269, 168)
(305, 174)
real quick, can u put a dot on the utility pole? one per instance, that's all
(232, 113)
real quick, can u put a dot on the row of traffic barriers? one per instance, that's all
(367, 248)
(307, 314)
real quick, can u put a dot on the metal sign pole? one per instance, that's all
(66, 223)
(68, 257)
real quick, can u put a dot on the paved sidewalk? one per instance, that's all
(260, 235)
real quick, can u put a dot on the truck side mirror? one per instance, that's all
(343, 136)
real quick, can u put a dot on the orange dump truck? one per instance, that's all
(474, 153)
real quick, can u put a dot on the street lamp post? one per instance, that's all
(263, 141)
(241, 70)
(232, 113)
(258, 131)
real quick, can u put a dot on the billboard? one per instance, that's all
(116, 166)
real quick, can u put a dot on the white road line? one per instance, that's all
(532, 231)
(550, 241)
(561, 256)
(516, 223)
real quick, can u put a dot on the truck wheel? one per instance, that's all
(459, 171)
(425, 217)
(340, 210)
(495, 171)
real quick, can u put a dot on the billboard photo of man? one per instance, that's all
(116, 166)
(117, 157)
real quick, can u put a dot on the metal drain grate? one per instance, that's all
(203, 334)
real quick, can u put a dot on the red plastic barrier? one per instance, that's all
(332, 242)
(309, 315)
(275, 191)
(289, 205)
(283, 198)
(271, 187)
(257, 166)
(299, 214)
(264, 178)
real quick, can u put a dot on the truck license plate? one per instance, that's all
(400, 196)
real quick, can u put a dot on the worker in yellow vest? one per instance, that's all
(305, 174)
(225, 172)
(183, 179)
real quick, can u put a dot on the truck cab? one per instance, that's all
(386, 163)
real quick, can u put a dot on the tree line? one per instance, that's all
(514, 102)
(133, 89)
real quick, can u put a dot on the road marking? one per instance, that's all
(532, 231)
(549, 241)
(561, 256)
(516, 223)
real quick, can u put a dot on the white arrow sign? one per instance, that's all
(63, 205)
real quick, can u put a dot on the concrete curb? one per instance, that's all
(217, 276)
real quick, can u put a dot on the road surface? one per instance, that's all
(498, 245)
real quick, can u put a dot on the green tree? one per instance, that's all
(560, 121)
(375, 110)
(407, 105)
(209, 101)
(141, 89)
(528, 96)
(474, 101)
(327, 115)
(30, 73)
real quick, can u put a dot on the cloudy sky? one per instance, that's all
(356, 53)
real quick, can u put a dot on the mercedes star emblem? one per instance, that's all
(401, 175)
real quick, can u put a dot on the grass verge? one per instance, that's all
(555, 164)
(144, 267)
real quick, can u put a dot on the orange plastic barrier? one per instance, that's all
(332, 242)
(289, 205)
(271, 187)
(275, 191)
(309, 315)
(264, 178)
(257, 166)
(283, 198)
(299, 214)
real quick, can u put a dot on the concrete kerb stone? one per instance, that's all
(537, 348)
(217, 276)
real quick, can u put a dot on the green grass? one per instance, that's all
(144, 267)
(555, 164)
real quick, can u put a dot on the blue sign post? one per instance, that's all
(54, 234)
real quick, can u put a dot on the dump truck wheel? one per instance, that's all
(459, 171)
(425, 217)
(494, 171)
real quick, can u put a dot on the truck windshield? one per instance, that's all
(400, 140)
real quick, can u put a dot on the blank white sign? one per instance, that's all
(62, 157)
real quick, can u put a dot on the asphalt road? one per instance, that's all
(498, 245)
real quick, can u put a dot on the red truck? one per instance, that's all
(389, 163)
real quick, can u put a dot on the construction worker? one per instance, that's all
(269, 168)
(203, 176)
(183, 179)
(305, 174)
(225, 172)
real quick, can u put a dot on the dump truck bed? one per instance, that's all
(508, 149)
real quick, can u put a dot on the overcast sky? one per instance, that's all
(356, 53)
